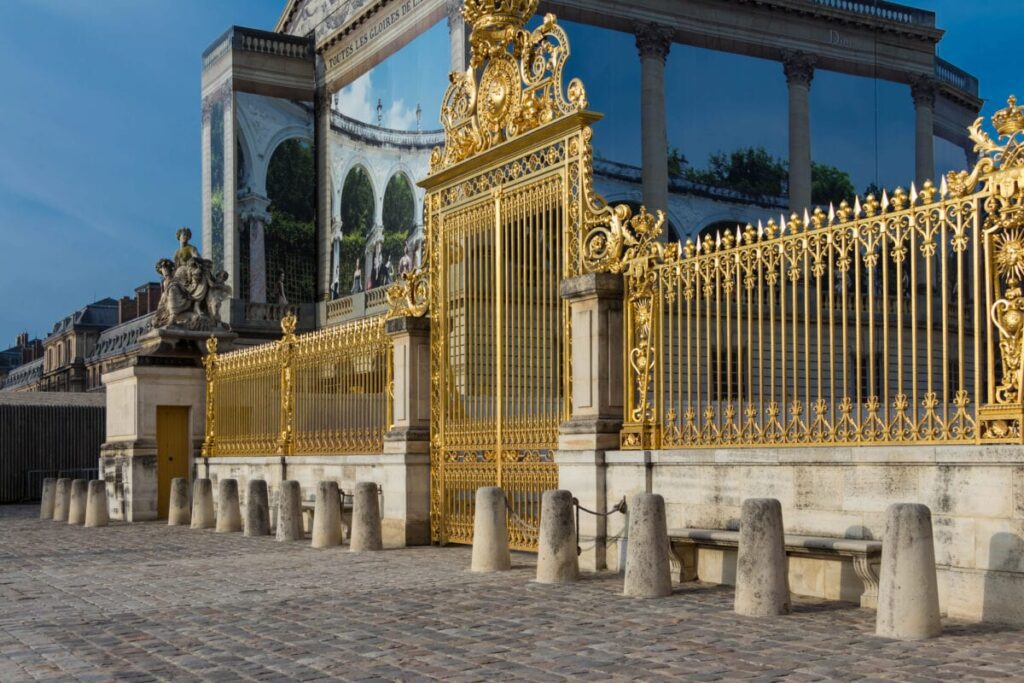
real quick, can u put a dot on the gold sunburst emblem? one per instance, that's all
(1009, 253)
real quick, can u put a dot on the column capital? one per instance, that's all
(454, 9)
(253, 206)
(798, 66)
(922, 89)
(653, 40)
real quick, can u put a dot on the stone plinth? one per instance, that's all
(128, 458)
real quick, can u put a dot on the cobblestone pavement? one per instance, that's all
(149, 602)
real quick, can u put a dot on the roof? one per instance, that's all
(23, 374)
(53, 398)
(122, 338)
(99, 314)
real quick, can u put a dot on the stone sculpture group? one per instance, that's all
(192, 290)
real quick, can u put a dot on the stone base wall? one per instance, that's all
(404, 479)
(976, 495)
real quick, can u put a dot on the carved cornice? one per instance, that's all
(798, 67)
(923, 89)
(653, 40)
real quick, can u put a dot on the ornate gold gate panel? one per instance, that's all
(508, 199)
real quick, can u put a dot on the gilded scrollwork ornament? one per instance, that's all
(514, 82)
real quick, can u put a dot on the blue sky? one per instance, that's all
(99, 117)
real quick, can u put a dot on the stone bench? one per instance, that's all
(309, 509)
(866, 555)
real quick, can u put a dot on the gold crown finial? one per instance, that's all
(1010, 120)
(497, 15)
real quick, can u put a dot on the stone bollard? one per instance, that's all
(257, 509)
(289, 512)
(557, 559)
(97, 510)
(908, 593)
(61, 500)
(490, 532)
(229, 513)
(49, 495)
(327, 515)
(79, 497)
(202, 505)
(366, 531)
(648, 574)
(178, 511)
(762, 576)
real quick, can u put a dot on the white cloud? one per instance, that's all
(358, 100)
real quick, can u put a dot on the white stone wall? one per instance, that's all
(975, 493)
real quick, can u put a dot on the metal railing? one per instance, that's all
(327, 392)
(899, 319)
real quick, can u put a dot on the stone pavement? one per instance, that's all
(149, 602)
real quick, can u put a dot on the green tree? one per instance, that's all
(291, 182)
(676, 162)
(357, 203)
(829, 185)
(291, 236)
(751, 170)
(873, 188)
(357, 217)
(399, 217)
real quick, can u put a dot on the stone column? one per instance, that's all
(458, 36)
(799, 69)
(922, 90)
(254, 215)
(406, 458)
(595, 301)
(653, 42)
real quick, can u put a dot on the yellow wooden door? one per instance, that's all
(172, 451)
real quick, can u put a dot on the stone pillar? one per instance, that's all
(202, 515)
(405, 481)
(97, 512)
(48, 498)
(61, 500)
(327, 515)
(648, 574)
(458, 36)
(254, 216)
(556, 553)
(922, 90)
(908, 593)
(490, 531)
(289, 512)
(178, 511)
(762, 579)
(366, 528)
(229, 512)
(257, 509)
(653, 42)
(799, 69)
(595, 301)
(79, 497)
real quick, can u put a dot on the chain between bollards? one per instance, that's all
(619, 507)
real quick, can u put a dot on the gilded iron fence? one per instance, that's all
(859, 327)
(899, 319)
(326, 392)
